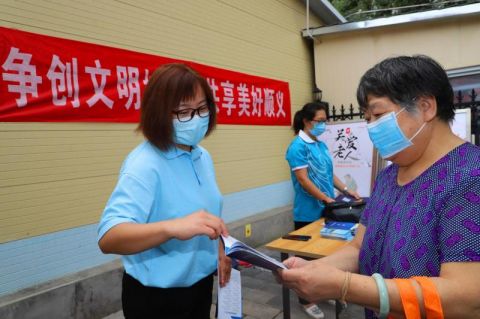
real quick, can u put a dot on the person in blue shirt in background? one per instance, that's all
(312, 174)
(164, 213)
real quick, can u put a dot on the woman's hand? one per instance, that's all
(312, 280)
(224, 269)
(329, 200)
(353, 194)
(198, 223)
(295, 262)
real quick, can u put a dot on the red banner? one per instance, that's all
(49, 79)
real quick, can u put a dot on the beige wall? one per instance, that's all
(341, 60)
(58, 176)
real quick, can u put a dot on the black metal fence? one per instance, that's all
(346, 113)
(463, 101)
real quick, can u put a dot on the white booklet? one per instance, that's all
(241, 251)
(230, 297)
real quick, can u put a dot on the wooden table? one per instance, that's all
(316, 247)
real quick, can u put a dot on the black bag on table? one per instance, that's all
(344, 209)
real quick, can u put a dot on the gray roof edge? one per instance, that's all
(330, 9)
(471, 70)
(324, 10)
(432, 15)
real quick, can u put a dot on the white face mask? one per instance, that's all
(318, 129)
(192, 132)
(388, 137)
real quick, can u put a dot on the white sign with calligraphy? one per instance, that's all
(461, 124)
(352, 154)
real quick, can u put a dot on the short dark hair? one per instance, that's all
(405, 78)
(307, 112)
(169, 85)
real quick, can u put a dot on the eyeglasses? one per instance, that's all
(186, 115)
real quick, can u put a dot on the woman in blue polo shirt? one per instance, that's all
(312, 173)
(164, 213)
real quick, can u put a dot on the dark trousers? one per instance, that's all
(299, 225)
(142, 302)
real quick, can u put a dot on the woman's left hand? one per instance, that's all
(224, 269)
(354, 194)
(312, 280)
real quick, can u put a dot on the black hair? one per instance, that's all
(403, 79)
(307, 112)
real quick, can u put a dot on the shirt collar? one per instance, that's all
(174, 152)
(196, 152)
(304, 136)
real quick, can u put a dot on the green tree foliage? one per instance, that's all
(358, 10)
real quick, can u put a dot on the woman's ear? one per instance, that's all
(428, 108)
(306, 123)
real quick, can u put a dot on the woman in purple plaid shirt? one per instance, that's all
(423, 217)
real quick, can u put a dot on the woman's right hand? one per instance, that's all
(198, 223)
(329, 200)
(308, 280)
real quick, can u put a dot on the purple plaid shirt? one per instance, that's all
(412, 229)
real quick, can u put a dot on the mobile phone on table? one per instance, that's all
(297, 237)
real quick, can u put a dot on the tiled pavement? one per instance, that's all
(262, 298)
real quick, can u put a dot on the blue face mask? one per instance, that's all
(388, 137)
(191, 132)
(318, 129)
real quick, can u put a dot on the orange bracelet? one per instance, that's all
(431, 299)
(409, 298)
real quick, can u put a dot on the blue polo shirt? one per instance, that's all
(305, 152)
(155, 186)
